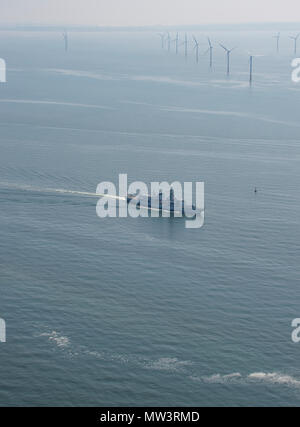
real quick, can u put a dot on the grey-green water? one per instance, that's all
(145, 312)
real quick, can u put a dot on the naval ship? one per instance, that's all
(171, 205)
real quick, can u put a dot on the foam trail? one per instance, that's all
(82, 193)
(156, 79)
(56, 190)
(273, 378)
(173, 365)
(55, 103)
(56, 338)
(70, 192)
(167, 364)
(230, 114)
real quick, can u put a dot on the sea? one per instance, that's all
(143, 311)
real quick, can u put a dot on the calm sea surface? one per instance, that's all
(143, 311)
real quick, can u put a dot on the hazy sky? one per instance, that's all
(147, 12)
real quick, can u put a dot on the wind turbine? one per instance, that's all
(228, 52)
(176, 40)
(162, 36)
(196, 48)
(169, 41)
(66, 39)
(277, 37)
(295, 42)
(210, 50)
(251, 66)
(186, 46)
(251, 70)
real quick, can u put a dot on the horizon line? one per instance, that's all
(146, 27)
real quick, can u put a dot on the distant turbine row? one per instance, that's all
(295, 38)
(166, 41)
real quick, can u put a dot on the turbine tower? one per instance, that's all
(162, 36)
(295, 42)
(169, 41)
(66, 39)
(176, 40)
(251, 70)
(277, 37)
(196, 48)
(210, 50)
(186, 46)
(228, 52)
(251, 66)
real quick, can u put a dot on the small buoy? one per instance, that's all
(255, 190)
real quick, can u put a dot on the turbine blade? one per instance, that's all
(225, 48)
